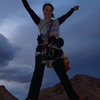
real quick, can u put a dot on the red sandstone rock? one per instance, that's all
(5, 94)
(82, 84)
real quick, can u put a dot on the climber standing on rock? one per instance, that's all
(49, 49)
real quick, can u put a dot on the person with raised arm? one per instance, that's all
(48, 39)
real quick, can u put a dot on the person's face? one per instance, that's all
(47, 12)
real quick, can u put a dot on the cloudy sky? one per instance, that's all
(18, 35)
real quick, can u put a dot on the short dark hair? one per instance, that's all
(49, 4)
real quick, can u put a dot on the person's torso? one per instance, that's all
(49, 27)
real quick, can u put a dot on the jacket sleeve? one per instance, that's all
(33, 15)
(64, 17)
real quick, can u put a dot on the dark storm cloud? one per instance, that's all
(7, 51)
(19, 73)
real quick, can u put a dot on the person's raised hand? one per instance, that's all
(76, 7)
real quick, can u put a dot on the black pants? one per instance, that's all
(38, 76)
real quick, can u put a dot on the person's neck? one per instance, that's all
(47, 19)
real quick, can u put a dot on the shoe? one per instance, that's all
(82, 98)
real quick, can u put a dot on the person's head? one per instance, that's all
(48, 11)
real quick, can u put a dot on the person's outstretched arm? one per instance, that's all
(64, 17)
(33, 15)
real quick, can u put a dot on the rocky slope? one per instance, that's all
(5, 94)
(83, 85)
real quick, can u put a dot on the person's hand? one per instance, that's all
(76, 7)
